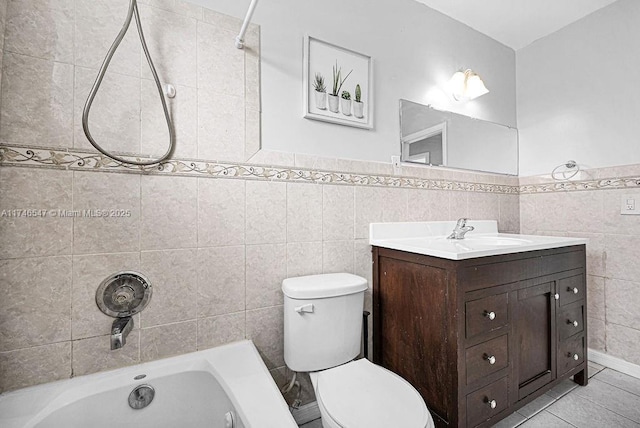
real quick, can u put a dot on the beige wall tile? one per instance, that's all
(95, 355)
(167, 340)
(253, 133)
(169, 212)
(428, 205)
(3, 16)
(337, 256)
(32, 366)
(88, 273)
(459, 205)
(173, 276)
(119, 195)
(35, 307)
(304, 212)
(266, 269)
(623, 342)
(220, 63)
(595, 297)
(221, 212)
(114, 119)
(184, 116)
(483, 206)
(221, 126)
(622, 303)
(96, 25)
(509, 220)
(269, 157)
(266, 328)
(363, 260)
(378, 204)
(596, 334)
(222, 21)
(219, 330)
(221, 280)
(41, 29)
(252, 70)
(529, 220)
(266, 212)
(176, 6)
(595, 252)
(583, 211)
(620, 262)
(171, 39)
(338, 213)
(35, 189)
(304, 258)
(37, 101)
(614, 222)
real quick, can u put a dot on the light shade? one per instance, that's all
(466, 85)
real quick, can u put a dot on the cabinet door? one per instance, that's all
(535, 365)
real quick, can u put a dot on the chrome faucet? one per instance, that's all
(461, 229)
(120, 329)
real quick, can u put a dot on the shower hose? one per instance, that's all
(133, 10)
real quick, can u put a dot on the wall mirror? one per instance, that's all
(440, 138)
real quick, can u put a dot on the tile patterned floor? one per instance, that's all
(611, 399)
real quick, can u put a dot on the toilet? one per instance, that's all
(322, 336)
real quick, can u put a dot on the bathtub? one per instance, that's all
(202, 389)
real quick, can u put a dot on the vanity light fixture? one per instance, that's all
(467, 85)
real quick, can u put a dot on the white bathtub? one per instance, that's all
(193, 390)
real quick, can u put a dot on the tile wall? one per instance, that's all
(612, 264)
(215, 249)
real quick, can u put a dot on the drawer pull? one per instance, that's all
(491, 315)
(574, 356)
(574, 289)
(490, 358)
(492, 404)
(556, 296)
(574, 323)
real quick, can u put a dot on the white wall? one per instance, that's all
(415, 49)
(579, 93)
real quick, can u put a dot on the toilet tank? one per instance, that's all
(322, 320)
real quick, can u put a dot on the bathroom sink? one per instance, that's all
(430, 238)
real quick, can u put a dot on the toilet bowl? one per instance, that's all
(322, 336)
(362, 394)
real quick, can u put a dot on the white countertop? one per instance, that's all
(430, 238)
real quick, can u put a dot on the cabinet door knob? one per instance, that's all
(556, 296)
(492, 404)
(490, 358)
(574, 356)
(574, 289)
(575, 323)
(491, 315)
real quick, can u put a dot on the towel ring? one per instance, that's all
(569, 165)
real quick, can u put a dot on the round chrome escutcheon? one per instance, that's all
(123, 294)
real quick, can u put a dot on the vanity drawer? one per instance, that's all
(487, 402)
(570, 320)
(486, 358)
(571, 354)
(571, 289)
(486, 314)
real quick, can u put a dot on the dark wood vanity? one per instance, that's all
(480, 338)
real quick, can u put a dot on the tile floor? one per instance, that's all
(611, 399)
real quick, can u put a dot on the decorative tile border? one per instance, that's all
(575, 186)
(79, 160)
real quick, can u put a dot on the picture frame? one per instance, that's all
(341, 70)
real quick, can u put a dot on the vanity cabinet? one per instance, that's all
(480, 338)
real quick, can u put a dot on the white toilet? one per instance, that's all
(322, 334)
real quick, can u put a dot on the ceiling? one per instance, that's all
(516, 23)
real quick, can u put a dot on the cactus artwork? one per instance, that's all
(358, 105)
(358, 93)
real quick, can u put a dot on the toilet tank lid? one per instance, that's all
(322, 286)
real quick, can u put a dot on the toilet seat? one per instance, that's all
(362, 394)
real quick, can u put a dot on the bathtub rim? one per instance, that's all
(237, 367)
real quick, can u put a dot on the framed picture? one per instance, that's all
(338, 84)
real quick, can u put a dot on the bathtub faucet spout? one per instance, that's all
(120, 329)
